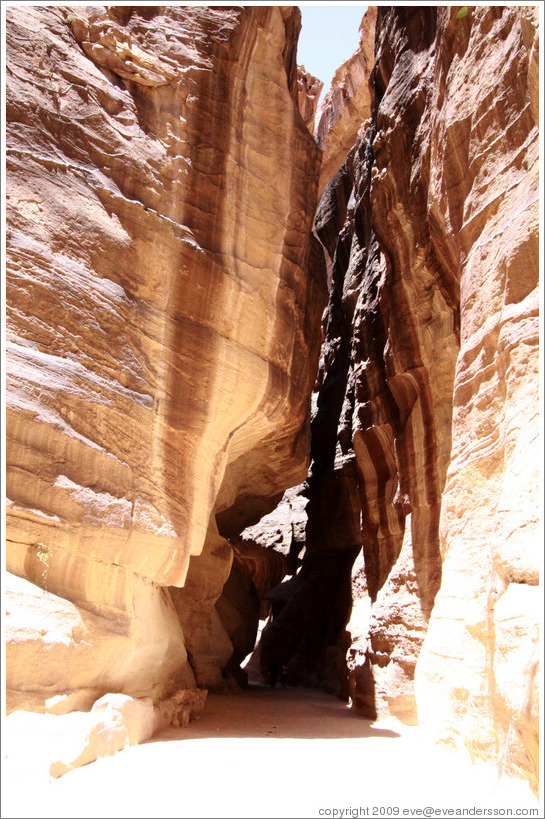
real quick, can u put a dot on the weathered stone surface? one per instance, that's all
(515, 700)
(208, 644)
(243, 603)
(490, 510)
(423, 438)
(283, 529)
(390, 641)
(266, 568)
(221, 603)
(63, 655)
(55, 744)
(180, 709)
(162, 325)
(164, 295)
(347, 105)
(309, 89)
(114, 722)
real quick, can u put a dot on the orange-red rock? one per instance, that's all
(347, 104)
(164, 296)
(309, 89)
(424, 436)
(162, 323)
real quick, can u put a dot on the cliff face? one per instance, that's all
(309, 89)
(347, 104)
(422, 533)
(165, 291)
(162, 323)
(480, 656)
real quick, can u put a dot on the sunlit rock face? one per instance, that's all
(162, 321)
(309, 89)
(477, 676)
(346, 106)
(424, 437)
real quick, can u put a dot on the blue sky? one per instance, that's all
(329, 35)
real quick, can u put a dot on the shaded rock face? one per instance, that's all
(163, 322)
(423, 464)
(283, 529)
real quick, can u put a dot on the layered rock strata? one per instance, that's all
(477, 677)
(164, 299)
(347, 104)
(162, 324)
(424, 460)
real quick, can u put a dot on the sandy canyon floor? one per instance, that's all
(262, 753)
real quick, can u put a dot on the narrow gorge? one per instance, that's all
(273, 369)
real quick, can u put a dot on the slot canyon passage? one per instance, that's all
(272, 369)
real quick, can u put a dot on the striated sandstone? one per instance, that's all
(208, 645)
(256, 570)
(221, 602)
(490, 527)
(62, 656)
(162, 324)
(347, 104)
(423, 436)
(161, 183)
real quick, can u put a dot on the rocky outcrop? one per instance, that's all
(347, 104)
(423, 461)
(309, 89)
(244, 601)
(63, 655)
(283, 529)
(162, 327)
(54, 744)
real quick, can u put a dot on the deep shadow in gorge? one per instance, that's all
(409, 428)
(166, 293)
(259, 712)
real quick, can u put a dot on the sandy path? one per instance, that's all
(263, 753)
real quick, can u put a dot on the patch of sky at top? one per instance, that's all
(329, 35)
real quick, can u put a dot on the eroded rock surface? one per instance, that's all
(423, 438)
(164, 300)
(162, 326)
(346, 106)
(309, 89)
(490, 529)
(54, 744)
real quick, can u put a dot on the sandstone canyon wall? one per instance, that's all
(346, 106)
(162, 329)
(165, 293)
(422, 540)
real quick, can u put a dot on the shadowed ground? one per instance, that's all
(269, 753)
